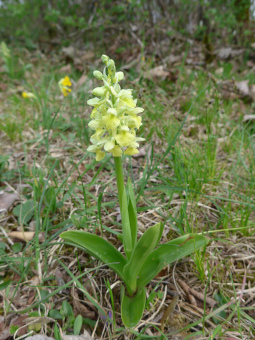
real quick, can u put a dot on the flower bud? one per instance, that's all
(99, 91)
(120, 75)
(110, 64)
(98, 75)
(105, 58)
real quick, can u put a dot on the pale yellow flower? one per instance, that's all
(131, 151)
(64, 85)
(111, 122)
(124, 138)
(99, 155)
(114, 116)
(116, 151)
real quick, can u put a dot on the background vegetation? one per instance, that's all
(191, 65)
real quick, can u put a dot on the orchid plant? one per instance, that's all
(116, 121)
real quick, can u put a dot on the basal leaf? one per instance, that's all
(168, 253)
(126, 231)
(144, 247)
(132, 212)
(24, 211)
(132, 308)
(77, 325)
(99, 248)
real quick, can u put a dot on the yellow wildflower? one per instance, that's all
(114, 116)
(64, 85)
(28, 95)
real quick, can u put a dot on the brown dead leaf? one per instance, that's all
(23, 236)
(3, 87)
(252, 88)
(157, 72)
(172, 59)
(79, 308)
(7, 199)
(82, 79)
(248, 118)
(88, 55)
(66, 69)
(69, 52)
(224, 52)
(243, 87)
(227, 52)
(250, 63)
(35, 281)
(5, 334)
(31, 297)
(219, 71)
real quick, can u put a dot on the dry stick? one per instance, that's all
(169, 311)
(190, 291)
(186, 289)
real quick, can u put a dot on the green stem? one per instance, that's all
(120, 178)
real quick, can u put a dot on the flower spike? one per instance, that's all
(114, 117)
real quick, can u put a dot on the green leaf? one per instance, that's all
(132, 212)
(50, 197)
(99, 248)
(57, 332)
(16, 248)
(2, 245)
(43, 294)
(168, 253)
(144, 247)
(5, 284)
(90, 322)
(2, 248)
(126, 231)
(55, 314)
(13, 329)
(67, 308)
(77, 325)
(132, 308)
(24, 211)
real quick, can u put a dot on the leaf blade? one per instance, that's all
(167, 253)
(99, 248)
(132, 308)
(132, 212)
(144, 247)
(126, 231)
